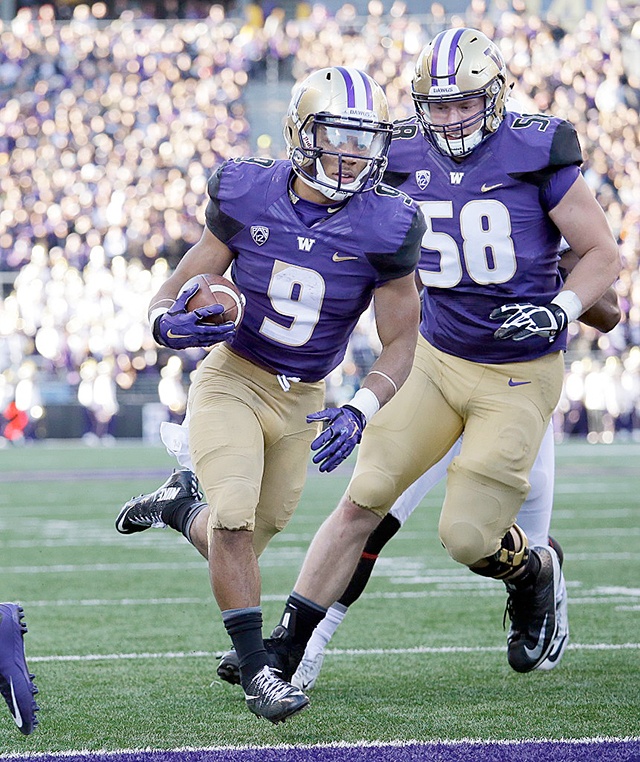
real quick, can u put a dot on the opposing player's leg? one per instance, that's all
(534, 516)
(16, 682)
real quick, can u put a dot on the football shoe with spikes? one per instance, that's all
(532, 610)
(16, 682)
(561, 639)
(284, 657)
(268, 696)
(306, 675)
(145, 511)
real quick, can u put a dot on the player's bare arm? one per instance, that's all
(208, 255)
(604, 315)
(397, 313)
(584, 226)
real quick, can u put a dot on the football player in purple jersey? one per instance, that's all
(534, 518)
(310, 242)
(499, 191)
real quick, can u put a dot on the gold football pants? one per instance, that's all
(249, 443)
(503, 411)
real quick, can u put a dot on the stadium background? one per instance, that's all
(113, 115)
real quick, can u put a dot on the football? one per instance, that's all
(216, 289)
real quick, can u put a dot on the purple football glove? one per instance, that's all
(521, 321)
(337, 441)
(179, 329)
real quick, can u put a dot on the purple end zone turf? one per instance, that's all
(528, 751)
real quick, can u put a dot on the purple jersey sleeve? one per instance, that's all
(489, 239)
(556, 187)
(306, 286)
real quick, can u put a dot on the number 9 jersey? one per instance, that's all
(306, 283)
(489, 239)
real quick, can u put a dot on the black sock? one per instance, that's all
(300, 618)
(245, 630)
(179, 514)
(380, 536)
(525, 577)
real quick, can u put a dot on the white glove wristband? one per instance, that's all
(570, 303)
(366, 402)
(155, 314)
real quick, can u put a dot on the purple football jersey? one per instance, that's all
(306, 286)
(489, 239)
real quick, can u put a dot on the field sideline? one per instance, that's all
(123, 631)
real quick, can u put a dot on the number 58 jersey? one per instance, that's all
(306, 285)
(489, 239)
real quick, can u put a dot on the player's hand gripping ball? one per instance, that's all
(207, 311)
(216, 289)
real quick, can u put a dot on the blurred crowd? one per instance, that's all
(109, 131)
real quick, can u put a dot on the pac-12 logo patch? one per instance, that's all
(260, 234)
(423, 178)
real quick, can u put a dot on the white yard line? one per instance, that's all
(331, 651)
(149, 753)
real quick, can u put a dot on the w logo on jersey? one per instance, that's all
(423, 178)
(260, 234)
(456, 177)
(305, 244)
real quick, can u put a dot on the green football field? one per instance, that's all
(124, 632)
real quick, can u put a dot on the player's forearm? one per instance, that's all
(392, 367)
(165, 295)
(605, 313)
(593, 275)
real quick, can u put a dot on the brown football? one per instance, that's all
(216, 289)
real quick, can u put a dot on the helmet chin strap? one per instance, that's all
(458, 146)
(345, 190)
(326, 183)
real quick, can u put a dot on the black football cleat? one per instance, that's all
(284, 657)
(268, 696)
(532, 611)
(145, 511)
(229, 667)
(284, 654)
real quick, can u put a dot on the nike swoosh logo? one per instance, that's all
(486, 188)
(557, 649)
(337, 258)
(535, 653)
(518, 383)
(173, 335)
(16, 709)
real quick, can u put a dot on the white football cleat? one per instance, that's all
(562, 634)
(307, 672)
